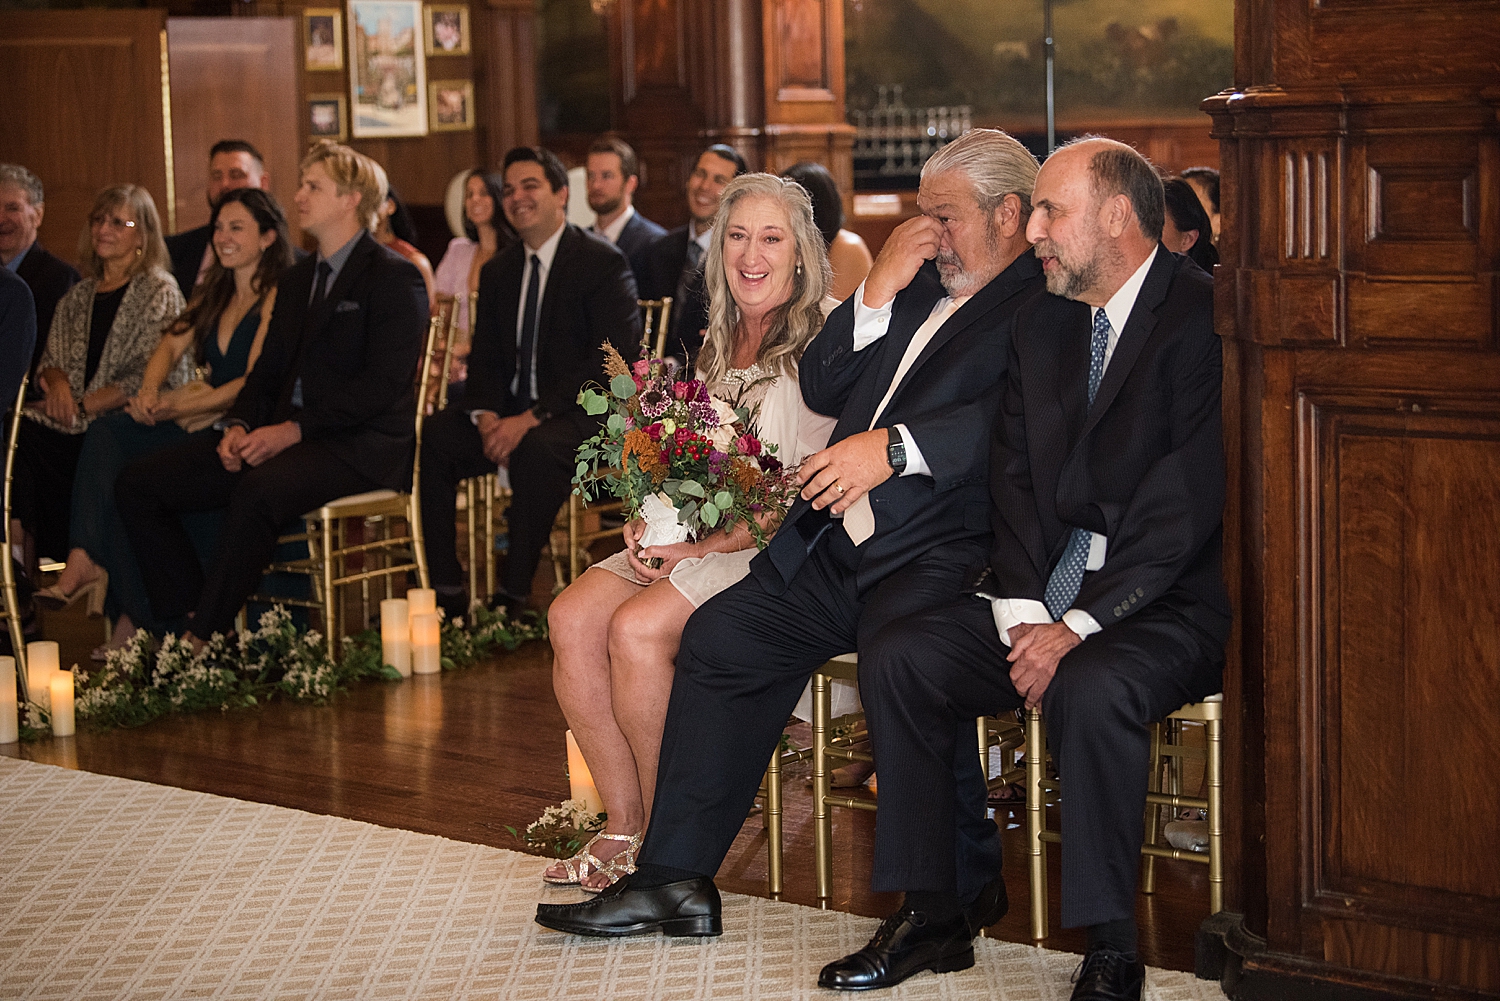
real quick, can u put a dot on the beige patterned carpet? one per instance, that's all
(118, 889)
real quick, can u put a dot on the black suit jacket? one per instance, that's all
(50, 278)
(1143, 466)
(635, 243)
(947, 400)
(590, 297)
(665, 264)
(186, 250)
(17, 334)
(356, 355)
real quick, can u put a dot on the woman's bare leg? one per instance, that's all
(79, 571)
(578, 622)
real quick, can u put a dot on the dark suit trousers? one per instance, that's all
(541, 476)
(153, 493)
(745, 657)
(924, 679)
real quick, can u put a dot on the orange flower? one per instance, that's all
(613, 364)
(647, 454)
(746, 475)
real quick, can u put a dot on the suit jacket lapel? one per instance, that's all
(1133, 338)
(1072, 358)
(551, 291)
(359, 259)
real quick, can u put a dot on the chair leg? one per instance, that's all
(772, 816)
(822, 821)
(330, 602)
(1036, 819)
(471, 516)
(1153, 812)
(491, 483)
(983, 726)
(1214, 761)
(573, 560)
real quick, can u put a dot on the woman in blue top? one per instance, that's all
(219, 334)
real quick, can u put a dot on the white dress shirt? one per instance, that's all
(613, 230)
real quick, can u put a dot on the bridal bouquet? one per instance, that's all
(681, 460)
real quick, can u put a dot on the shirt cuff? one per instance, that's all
(915, 464)
(870, 323)
(1081, 622)
(1010, 612)
(474, 416)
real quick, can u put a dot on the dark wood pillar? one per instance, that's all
(505, 75)
(1358, 302)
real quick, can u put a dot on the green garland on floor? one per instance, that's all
(147, 679)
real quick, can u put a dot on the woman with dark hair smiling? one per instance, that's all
(220, 334)
(486, 233)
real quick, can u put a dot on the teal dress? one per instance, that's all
(115, 440)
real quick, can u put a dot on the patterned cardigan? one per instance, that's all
(151, 301)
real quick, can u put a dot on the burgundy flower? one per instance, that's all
(748, 444)
(769, 463)
(654, 431)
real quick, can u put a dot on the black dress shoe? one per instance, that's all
(1107, 975)
(990, 906)
(906, 943)
(688, 907)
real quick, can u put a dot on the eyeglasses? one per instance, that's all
(112, 221)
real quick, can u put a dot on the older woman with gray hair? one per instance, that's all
(615, 630)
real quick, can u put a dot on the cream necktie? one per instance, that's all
(859, 519)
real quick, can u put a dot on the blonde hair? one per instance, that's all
(794, 322)
(351, 171)
(147, 223)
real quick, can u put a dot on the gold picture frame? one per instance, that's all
(450, 105)
(319, 123)
(322, 39)
(447, 29)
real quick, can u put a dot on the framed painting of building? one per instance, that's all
(387, 71)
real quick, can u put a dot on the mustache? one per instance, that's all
(946, 258)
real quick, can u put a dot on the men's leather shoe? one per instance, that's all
(687, 907)
(990, 906)
(906, 943)
(1107, 975)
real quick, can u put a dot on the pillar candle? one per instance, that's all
(41, 665)
(395, 635)
(423, 601)
(9, 716)
(580, 782)
(425, 644)
(62, 703)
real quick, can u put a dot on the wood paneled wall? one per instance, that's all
(1358, 302)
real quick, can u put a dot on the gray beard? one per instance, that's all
(1072, 283)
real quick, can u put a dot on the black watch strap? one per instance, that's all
(895, 451)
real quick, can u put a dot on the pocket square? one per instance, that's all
(347, 306)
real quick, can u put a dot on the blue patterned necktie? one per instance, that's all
(1067, 576)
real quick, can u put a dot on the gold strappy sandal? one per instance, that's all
(584, 862)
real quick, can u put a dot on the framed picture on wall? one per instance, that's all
(450, 104)
(322, 34)
(387, 74)
(327, 117)
(447, 29)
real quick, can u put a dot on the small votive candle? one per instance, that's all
(41, 665)
(62, 703)
(426, 651)
(422, 601)
(395, 635)
(9, 709)
(580, 780)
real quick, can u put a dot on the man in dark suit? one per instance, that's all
(613, 176)
(17, 332)
(546, 304)
(1106, 602)
(674, 266)
(912, 363)
(232, 163)
(327, 411)
(22, 203)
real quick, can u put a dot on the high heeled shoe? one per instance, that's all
(54, 598)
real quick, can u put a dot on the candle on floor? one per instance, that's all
(62, 703)
(395, 635)
(580, 781)
(423, 601)
(9, 715)
(41, 665)
(426, 650)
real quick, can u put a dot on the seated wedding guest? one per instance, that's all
(1205, 182)
(848, 254)
(17, 333)
(21, 208)
(394, 229)
(546, 303)
(615, 630)
(221, 333)
(1106, 606)
(913, 364)
(327, 411)
(102, 335)
(1185, 227)
(674, 264)
(232, 163)
(613, 175)
(486, 233)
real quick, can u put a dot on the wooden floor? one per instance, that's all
(472, 752)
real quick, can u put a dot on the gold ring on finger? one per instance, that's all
(838, 487)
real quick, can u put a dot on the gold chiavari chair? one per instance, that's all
(1210, 713)
(8, 569)
(329, 555)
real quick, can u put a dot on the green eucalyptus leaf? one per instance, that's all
(692, 488)
(724, 500)
(686, 512)
(623, 386)
(709, 512)
(616, 424)
(594, 403)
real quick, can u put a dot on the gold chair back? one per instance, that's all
(8, 567)
(656, 319)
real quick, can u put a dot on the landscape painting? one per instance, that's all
(387, 72)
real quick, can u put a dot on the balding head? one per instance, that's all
(1097, 216)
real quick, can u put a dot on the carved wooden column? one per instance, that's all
(505, 76)
(1358, 302)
